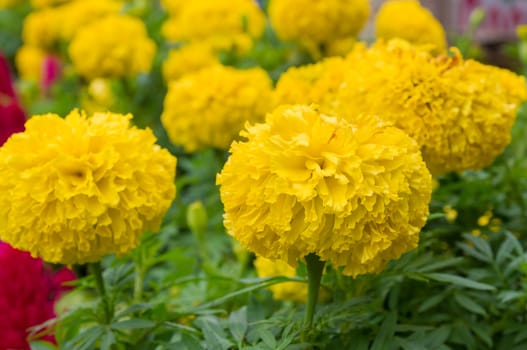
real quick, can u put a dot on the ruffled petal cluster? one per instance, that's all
(459, 111)
(76, 188)
(355, 194)
(408, 20)
(293, 291)
(317, 22)
(316, 83)
(208, 108)
(98, 50)
(188, 59)
(27, 297)
(224, 24)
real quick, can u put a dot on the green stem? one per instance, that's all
(96, 271)
(138, 285)
(315, 268)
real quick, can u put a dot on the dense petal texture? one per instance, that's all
(459, 111)
(418, 25)
(356, 194)
(27, 297)
(77, 188)
(100, 51)
(320, 21)
(188, 59)
(209, 108)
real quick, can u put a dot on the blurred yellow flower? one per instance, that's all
(355, 194)
(9, 3)
(76, 188)
(99, 50)
(208, 108)
(47, 3)
(98, 96)
(315, 83)
(188, 59)
(484, 220)
(407, 19)
(287, 291)
(29, 61)
(451, 213)
(173, 7)
(314, 22)
(216, 21)
(42, 29)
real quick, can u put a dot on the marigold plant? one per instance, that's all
(188, 59)
(355, 194)
(78, 188)
(208, 108)
(418, 25)
(98, 50)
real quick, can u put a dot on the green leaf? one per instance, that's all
(215, 337)
(238, 324)
(408, 344)
(386, 333)
(107, 340)
(86, 340)
(438, 337)
(431, 302)
(459, 281)
(133, 324)
(469, 304)
(42, 345)
(267, 337)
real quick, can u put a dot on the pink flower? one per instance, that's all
(27, 296)
(12, 116)
(51, 71)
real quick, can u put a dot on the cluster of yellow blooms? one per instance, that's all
(209, 108)
(407, 19)
(222, 24)
(99, 51)
(75, 189)
(356, 194)
(319, 22)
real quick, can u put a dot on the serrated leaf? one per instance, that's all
(267, 337)
(469, 304)
(134, 323)
(215, 336)
(460, 281)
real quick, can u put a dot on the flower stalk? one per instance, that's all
(315, 267)
(96, 271)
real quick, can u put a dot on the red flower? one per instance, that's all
(27, 296)
(12, 116)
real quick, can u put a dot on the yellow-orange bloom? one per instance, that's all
(188, 59)
(355, 194)
(407, 19)
(209, 107)
(76, 188)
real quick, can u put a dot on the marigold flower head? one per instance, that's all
(355, 194)
(218, 20)
(100, 51)
(47, 3)
(42, 29)
(459, 111)
(188, 59)
(407, 19)
(78, 188)
(314, 83)
(208, 108)
(173, 7)
(27, 297)
(315, 22)
(286, 291)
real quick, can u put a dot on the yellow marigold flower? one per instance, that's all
(217, 19)
(98, 96)
(521, 31)
(459, 111)
(173, 7)
(42, 28)
(100, 51)
(77, 14)
(355, 194)
(76, 188)
(484, 220)
(339, 47)
(208, 108)
(29, 60)
(315, 83)
(407, 19)
(188, 59)
(315, 22)
(287, 291)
